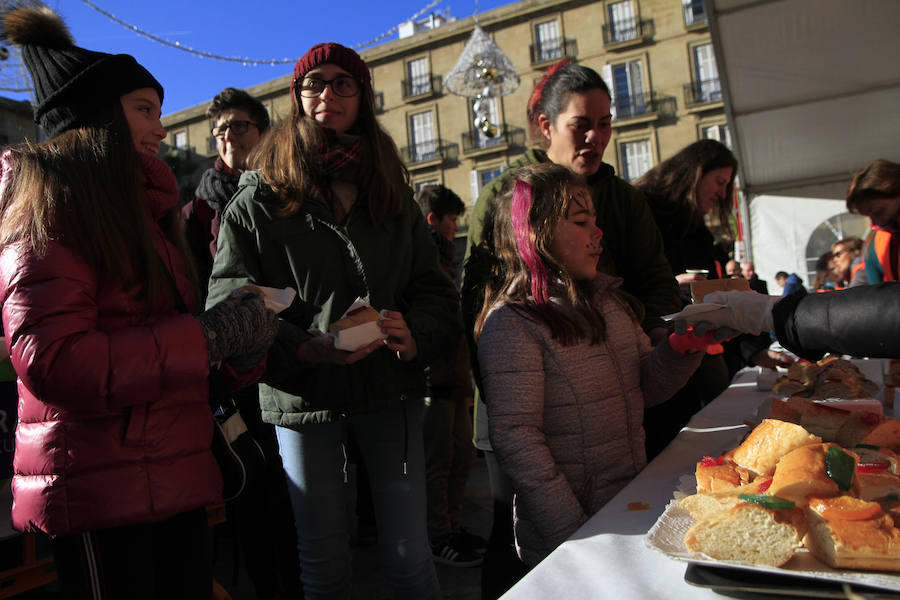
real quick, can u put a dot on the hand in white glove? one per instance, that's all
(746, 312)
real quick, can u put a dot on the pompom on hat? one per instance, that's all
(335, 54)
(72, 85)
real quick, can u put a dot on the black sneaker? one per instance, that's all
(470, 541)
(449, 553)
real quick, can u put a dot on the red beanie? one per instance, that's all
(334, 54)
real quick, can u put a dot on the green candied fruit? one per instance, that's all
(839, 466)
(767, 501)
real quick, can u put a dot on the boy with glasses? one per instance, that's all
(238, 122)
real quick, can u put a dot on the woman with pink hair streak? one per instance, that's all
(564, 361)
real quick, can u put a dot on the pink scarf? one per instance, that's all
(159, 185)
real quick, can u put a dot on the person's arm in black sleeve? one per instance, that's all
(648, 275)
(861, 321)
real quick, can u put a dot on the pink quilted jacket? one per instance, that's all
(114, 426)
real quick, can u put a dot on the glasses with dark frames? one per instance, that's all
(342, 85)
(236, 127)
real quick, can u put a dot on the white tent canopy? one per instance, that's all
(812, 90)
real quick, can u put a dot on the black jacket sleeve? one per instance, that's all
(860, 321)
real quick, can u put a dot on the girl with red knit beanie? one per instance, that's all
(329, 212)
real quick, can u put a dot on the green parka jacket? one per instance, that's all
(394, 266)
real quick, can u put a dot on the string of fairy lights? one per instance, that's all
(246, 61)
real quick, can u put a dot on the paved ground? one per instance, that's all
(368, 584)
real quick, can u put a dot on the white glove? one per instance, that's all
(746, 312)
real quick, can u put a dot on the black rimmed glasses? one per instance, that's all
(342, 85)
(236, 127)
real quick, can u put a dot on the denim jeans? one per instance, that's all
(313, 456)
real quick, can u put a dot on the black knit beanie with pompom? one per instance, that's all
(72, 86)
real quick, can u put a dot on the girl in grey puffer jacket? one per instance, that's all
(566, 367)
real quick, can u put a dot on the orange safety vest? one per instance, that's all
(888, 263)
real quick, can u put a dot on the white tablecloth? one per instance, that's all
(607, 557)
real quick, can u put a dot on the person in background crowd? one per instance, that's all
(329, 212)
(681, 191)
(824, 280)
(261, 517)
(790, 284)
(733, 269)
(238, 122)
(751, 350)
(113, 458)
(564, 361)
(875, 192)
(569, 113)
(748, 271)
(847, 266)
(449, 452)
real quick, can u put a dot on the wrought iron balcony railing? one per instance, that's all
(553, 51)
(421, 86)
(703, 92)
(627, 30)
(428, 151)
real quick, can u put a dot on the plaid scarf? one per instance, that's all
(341, 156)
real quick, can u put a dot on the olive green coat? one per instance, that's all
(393, 266)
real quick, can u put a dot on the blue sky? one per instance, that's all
(276, 29)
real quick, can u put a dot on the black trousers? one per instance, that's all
(663, 422)
(152, 561)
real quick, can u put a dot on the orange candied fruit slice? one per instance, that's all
(845, 508)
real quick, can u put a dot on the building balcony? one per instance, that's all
(474, 142)
(635, 106)
(700, 93)
(624, 34)
(552, 52)
(426, 154)
(421, 87)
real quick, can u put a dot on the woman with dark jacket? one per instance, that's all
(330, 213)
(569, 113)
(681, 191)
(113, 457)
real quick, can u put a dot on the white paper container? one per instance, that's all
(354, 338)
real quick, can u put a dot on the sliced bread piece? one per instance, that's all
(749, 532)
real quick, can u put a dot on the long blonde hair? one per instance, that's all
(82, 189)
(289, 160)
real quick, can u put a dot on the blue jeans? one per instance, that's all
(313, 456)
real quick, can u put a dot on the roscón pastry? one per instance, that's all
(840, 503)
(749, 532)
(831, 377)
(768, 442)
(359, 316)
(850, 533)
(815, 470)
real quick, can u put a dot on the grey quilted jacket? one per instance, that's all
(565, 422)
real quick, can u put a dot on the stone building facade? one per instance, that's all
(656, 55)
